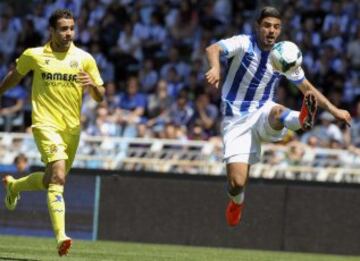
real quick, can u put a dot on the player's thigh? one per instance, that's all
(263, 127)
(72, 142)
(50, 144)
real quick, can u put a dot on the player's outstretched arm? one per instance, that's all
(11, 79)
(213, 74)
(340, 114)
(97, 92)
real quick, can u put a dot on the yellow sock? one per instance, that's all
(56, 207)
(31, 182)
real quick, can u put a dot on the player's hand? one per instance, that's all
(343, 115)
(213, 76)
(85, 79)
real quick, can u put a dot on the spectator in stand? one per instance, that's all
(38, 16)
(327, 132)
(204, 116)
(29, 37)
(335, 17)
(186, 21)
(112, 97)
(181, 112)
(21, 163)
(127, 53)
(148, 76)
(104, 124)
(3, 66)
(131, 108)
(353, 51)
(128, 43)
(156, 41)
(197, 132)
(104, 65)
(173, 131)
(355, 127)
(182, 68)
(11, 110)
(143, 131)
(174, 82)
(158, 107)
(8, 38)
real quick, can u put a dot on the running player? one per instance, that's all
(61, 74)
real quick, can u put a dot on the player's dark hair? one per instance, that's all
(59, 14)
(268, 11)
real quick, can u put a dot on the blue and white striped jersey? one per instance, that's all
(250, 79)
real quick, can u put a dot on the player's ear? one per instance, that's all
(51, 30)
(257, 26)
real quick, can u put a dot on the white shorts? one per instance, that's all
(242, 136)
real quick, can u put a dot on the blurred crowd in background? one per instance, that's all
(151, 55)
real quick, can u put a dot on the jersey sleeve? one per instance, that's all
(231, 46)
(91, 68)
(25, 62)
(295, 75)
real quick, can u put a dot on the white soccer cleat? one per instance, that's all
(11, 198)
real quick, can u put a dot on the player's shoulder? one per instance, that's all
(34, 51)
(243, 39)
(82, 53)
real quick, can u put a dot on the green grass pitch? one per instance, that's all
(31, 249)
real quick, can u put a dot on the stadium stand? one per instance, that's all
(141, 39)
(294, 162)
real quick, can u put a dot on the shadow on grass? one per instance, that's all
(17, 259)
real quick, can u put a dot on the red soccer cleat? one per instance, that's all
(64, 246)
(233, 213)
(308, 111)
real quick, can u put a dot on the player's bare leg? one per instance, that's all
(54, 179)
(237, 174)
(281, 116)
(275, 117)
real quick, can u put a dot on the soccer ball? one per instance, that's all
(285, 56)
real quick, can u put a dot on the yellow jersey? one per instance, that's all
(56, 94)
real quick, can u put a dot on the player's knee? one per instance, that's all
(276, 112)
(237, 182)
(58, 179)
(54, 179)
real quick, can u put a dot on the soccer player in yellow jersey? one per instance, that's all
(61, 74)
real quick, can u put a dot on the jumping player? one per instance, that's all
(249, 114)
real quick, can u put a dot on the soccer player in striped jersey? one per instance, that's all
(61, 74)
(249, 114)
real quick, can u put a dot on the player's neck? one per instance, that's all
(58, 48)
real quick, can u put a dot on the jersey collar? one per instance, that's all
(47, 48)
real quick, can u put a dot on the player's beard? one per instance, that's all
(269, 40)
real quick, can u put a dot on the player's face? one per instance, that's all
(63, 35)
(268, 31)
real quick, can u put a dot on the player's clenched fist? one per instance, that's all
(85, 79)
(213, 76)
